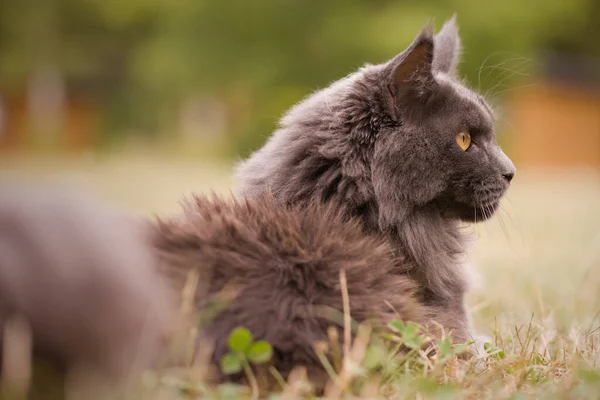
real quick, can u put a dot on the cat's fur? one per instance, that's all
(380, 145)
(286, 262)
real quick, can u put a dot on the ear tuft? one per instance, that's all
(411, 70)
(447, 48)
(416, 59)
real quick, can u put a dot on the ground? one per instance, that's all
(538, 296)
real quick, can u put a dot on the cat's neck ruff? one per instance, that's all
(436, 248)
(430, 247)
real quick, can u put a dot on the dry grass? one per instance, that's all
(539, 296)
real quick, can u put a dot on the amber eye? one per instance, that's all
(464, 140)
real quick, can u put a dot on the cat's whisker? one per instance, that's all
(504, 69)
(518, 69)
(490, 210)
(488, 216)
(494, 92)
(507, 74)
(513, 88)
(518, 62)
(503, 225)
(491, 67)
(515, 225)
(481, 68)
(485, 218)
(516, 229)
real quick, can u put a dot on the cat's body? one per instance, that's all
(380, 145)
(286, 263)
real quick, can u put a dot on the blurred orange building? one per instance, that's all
(48, 113)
(76, 130)
(556, 121)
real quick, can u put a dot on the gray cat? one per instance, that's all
(405, 147)
(387, 160)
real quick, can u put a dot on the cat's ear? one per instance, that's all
(410, 72)
(447, 48)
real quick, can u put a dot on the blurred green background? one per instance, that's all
(211, 78)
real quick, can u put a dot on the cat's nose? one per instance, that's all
(505, 165)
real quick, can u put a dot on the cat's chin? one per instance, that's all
(466, 211)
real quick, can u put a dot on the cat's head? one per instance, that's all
(389, 141)
(441, 149)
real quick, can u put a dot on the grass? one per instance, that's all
(538, 299)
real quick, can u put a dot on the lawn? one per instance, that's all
(539, 263)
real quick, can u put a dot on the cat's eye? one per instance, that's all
(464, 140)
